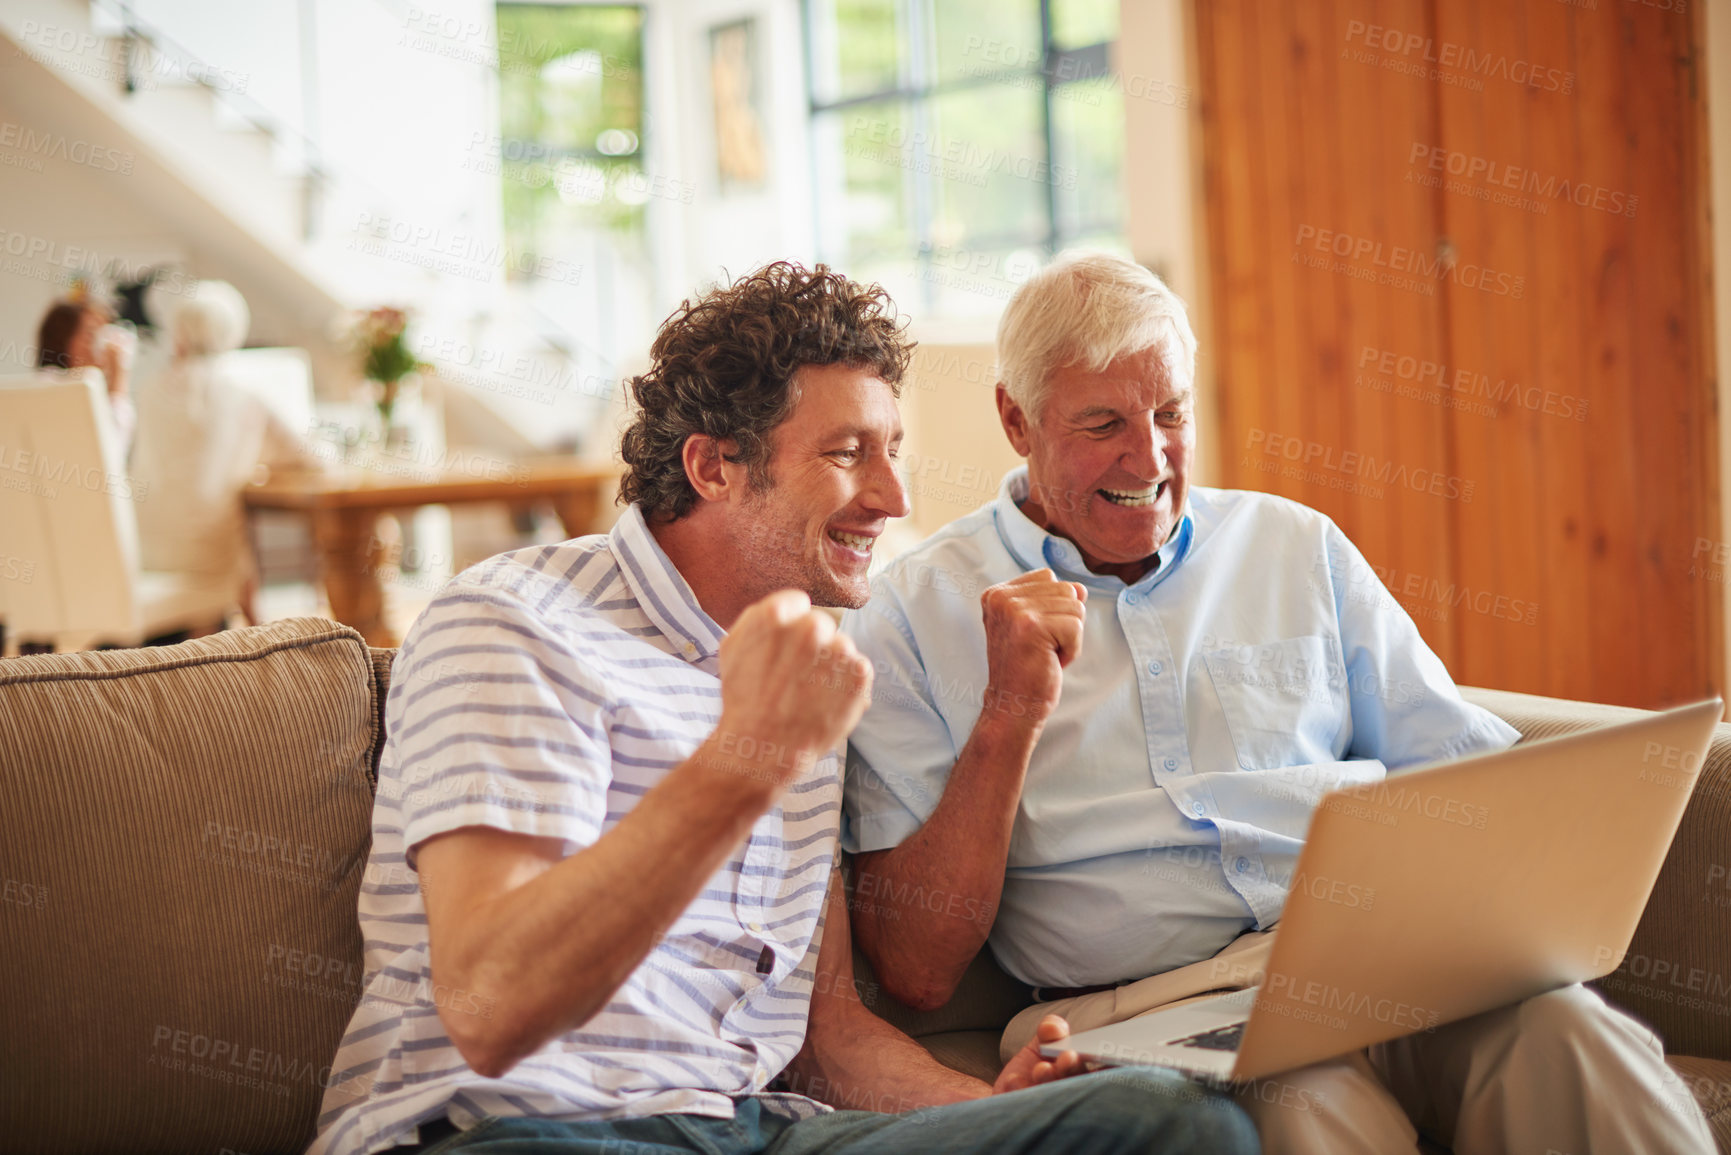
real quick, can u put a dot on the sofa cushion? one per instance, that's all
(986, 999)
(970, 1052)
(182, 836)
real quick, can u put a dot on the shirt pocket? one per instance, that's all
(1285, 702)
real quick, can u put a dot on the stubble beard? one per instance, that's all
(781, 554)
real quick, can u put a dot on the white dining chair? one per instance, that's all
(69, 575)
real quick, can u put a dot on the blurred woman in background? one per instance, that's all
(78, 333)
(201, 438)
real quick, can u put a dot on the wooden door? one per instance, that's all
(1461, 304)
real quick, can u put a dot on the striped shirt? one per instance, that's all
(544, 692)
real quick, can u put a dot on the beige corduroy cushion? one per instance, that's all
(182, 836)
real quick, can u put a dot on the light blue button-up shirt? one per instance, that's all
(1258, 666)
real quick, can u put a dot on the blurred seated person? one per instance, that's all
(78, 333)
(201, 438)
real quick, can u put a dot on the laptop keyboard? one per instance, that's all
(1219, 1039)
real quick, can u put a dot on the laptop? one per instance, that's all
(1439, 893)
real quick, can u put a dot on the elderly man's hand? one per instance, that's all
(1028, 1068)
(1033, 630)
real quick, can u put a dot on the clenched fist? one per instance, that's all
(792, 688)
(1033, 630)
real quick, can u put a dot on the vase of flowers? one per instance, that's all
(380, 336)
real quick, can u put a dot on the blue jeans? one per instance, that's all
(1130, 1109)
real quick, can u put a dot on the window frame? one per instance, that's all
(1056, 68)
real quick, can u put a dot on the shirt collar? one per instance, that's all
(661, 590)
(1036, 548)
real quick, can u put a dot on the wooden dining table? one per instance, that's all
(344, 503)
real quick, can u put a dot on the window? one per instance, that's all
(571, 123)
(574, 188)
(958, 144)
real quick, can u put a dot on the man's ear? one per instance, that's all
(707, 469)
(1015, 421)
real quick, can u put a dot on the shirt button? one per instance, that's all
(1172, 764)
(1198, 809)
(1242, 864)
(1133, 598)
(754, 927)
(690, 648)
(1155, 667)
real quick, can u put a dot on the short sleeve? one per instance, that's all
(901, 753)
(495, 720)
(1405, 707)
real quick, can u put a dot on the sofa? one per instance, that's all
(183, 833)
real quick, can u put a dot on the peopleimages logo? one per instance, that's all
(1334, 890)
(1315, 456)
(1468, 384)
(1383, 797)
(45, 476)
(1399, 259)
(1419, 50)
(1521, 180)
(53, 146)
(237, 1063)
(966, 156)
(1281, 990)
(84, 53)
(464, 254)
(56, 257)
(1435, 596)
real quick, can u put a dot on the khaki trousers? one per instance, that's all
(1558, 1074)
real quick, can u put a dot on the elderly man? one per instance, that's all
(1108, 764)
(608, 807)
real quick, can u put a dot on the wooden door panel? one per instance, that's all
(1492, 335)
(1460, 294)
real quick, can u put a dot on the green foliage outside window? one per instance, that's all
(571, 122)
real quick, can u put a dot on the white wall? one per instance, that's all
(731, 231)
(406, 106)
(59, 211)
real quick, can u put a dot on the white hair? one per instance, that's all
(1088, 309)
(212, 320)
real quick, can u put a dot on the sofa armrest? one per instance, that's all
(1677, 974)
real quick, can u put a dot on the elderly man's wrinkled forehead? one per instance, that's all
(1161, 363)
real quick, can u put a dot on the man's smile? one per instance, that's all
(859, 541)
(1134, 497)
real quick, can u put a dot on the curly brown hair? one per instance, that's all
(724, 366)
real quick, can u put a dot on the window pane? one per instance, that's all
(879, 181)
(979, 37)
(571, 121)
(974, 282)
(944, 191)
(856, 48)
(988, 161)
(1088, 138)
(1076, 23)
